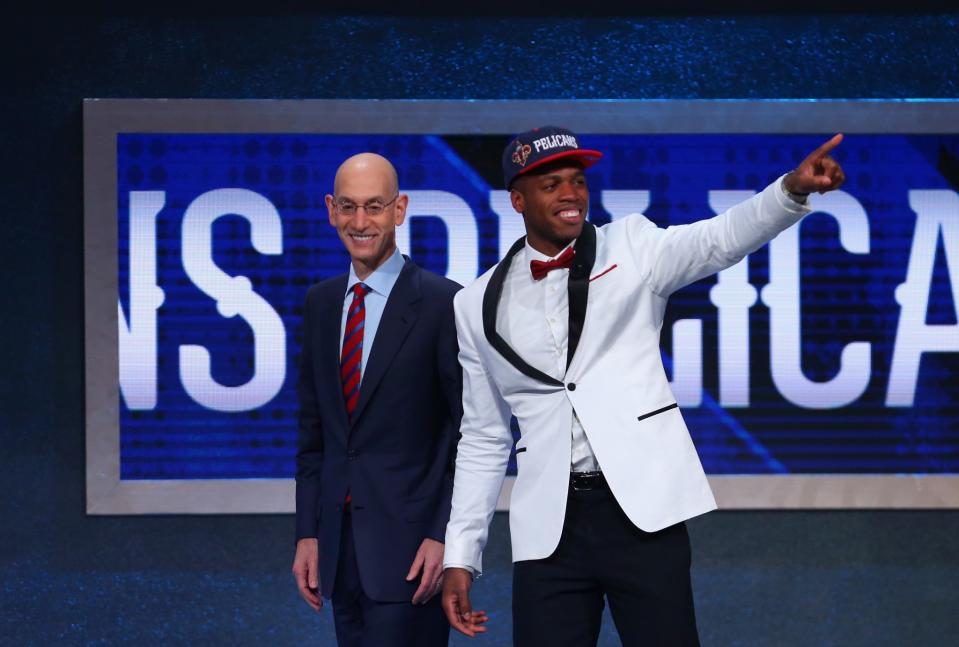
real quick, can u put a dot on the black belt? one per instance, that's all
(581, 481)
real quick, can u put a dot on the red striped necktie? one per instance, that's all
(352, 355)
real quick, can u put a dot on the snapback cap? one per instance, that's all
(539, 146)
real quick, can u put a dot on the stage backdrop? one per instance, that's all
(818, 372)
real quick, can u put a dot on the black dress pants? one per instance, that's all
(558, 601)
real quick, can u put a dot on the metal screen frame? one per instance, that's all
(104, 119)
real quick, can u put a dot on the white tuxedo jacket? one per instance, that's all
(621, 277)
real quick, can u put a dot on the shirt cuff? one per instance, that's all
(798, 198)
(469, 569)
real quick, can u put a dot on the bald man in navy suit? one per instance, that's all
(380, 405)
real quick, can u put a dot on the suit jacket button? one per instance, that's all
(352, 454)
(571, 386)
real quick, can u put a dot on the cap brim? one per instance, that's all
(584, 156)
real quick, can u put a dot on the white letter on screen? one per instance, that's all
(687, 382)
(619, 204)
(782, 297)
(937, 213)
(138, 338)
(733, 296)
(461, 232)
(234, 296)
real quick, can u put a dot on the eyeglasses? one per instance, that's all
(372, 208)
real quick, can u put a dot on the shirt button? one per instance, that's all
(571, 386)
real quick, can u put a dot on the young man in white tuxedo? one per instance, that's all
(564, 334)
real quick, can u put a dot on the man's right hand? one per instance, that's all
(306, 571)
(456, 603)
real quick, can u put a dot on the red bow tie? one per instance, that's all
(542, 268)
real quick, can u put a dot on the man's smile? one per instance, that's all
(570, 213)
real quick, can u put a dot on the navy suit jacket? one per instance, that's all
(396, 458)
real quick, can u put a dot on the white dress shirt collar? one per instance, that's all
(383, 278)
(533, 255)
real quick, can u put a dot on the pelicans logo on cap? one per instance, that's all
(540, 146)
(521, 154)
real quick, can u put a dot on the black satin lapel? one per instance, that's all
(329, 350)
(398, 318)
(491, 299)
(578, 286)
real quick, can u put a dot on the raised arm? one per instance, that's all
(679, 255)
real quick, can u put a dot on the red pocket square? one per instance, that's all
(604, 272)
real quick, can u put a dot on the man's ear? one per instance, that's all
(329, 208)
(402, 201)
(517, 200)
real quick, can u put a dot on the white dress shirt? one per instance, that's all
(533, 318)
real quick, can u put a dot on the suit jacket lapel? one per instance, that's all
(329, 349)
(578, 286)
(398, 318)
(491, 299)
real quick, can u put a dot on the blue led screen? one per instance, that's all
(834, 349)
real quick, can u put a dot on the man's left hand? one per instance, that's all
(429, 561)
(818, 172)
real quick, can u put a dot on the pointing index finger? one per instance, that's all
(827, 147)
